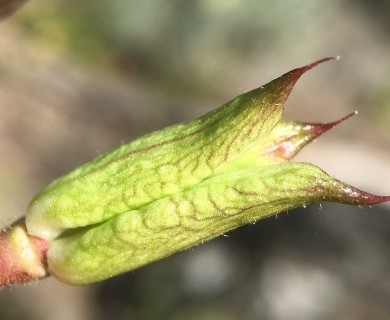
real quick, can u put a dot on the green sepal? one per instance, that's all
(159, 164)
(202, 212)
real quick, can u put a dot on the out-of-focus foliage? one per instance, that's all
(79, 77)
(7, 7)
(188, 47)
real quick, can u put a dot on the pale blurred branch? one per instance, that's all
(7, 7)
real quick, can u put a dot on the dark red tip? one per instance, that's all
(317, 129)
(355, 196)
(373, 199)
(299, 71)
(295, 74)
(281, 87)
(339, 191)
(344, 193)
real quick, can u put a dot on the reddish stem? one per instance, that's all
(22, 257)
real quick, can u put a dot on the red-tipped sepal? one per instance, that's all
(318, 185)
(280, 88)
(351, 195)
(161, 163)
(288, 138)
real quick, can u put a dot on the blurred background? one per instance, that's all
(78, 78)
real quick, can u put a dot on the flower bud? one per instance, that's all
(183, 185)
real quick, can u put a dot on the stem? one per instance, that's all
(22, 257)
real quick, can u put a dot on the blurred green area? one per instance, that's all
(71, 27)
(170, 43)
(192, 47)
(79, 78)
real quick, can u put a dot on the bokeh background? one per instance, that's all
(78, 78)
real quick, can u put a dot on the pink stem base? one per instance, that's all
(22, 257)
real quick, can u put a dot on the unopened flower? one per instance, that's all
(180, 186)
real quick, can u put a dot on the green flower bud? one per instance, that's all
(183, 185)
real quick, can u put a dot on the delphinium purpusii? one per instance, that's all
(173, 189)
